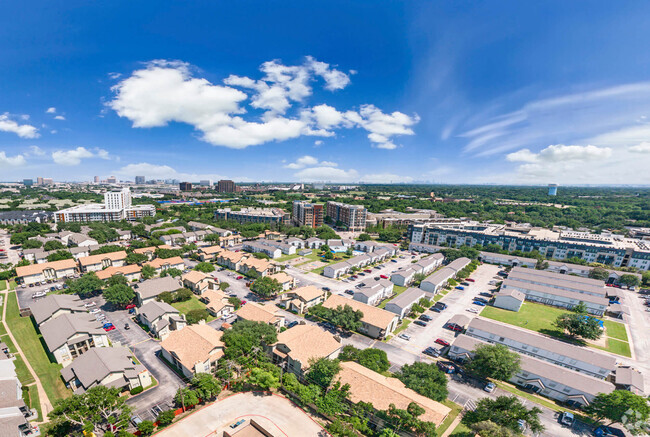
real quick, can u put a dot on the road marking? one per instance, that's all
(143, 341)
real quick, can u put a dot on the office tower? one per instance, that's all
(139, 180)
(226, 186)
(28, 182)
(185, 186)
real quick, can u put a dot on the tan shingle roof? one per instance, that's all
(258, 313)
(380, 391)
(233, 257)
(96, 259)
(371, 315)
(281, 277)
(35, 269)
(144, 250)
(259, 264)
(159, 262)
(113, 270)
(307, 293)
(308, 341)
(211, 250)
(193, 344)
(195, 276)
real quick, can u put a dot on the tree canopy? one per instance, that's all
(424, 378)
(322, 371)
(119, 294)
(505, 411)
(245, 335)
(85, 285)
(204, 267)
(494, 361)
(579, 325)
(344, 317)
(620, 406)
(266, 286)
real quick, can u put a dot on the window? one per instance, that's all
(525, 346)
(566, 390)
(501, 338)
(535, 349)
(552, 384)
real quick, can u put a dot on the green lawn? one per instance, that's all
(531, 397)
(32, 400)
(12, 284)
(455, 410)
(540, 318)
(3, 330)
(3, 285)
(397, 290)
(405, 324)
(189, 305)
(30, 343)
(286, 257)
(461, 431)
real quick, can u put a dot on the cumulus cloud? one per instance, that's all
(36, 151)
(309, 161)
(59, 117)
(11, 161)
(318, 143)
(74, 156)
(22, 130)
(561, 153)
(167, 91)
(51, 110)
(641, 148)
(328, 174)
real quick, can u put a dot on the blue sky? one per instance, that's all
(448, 91)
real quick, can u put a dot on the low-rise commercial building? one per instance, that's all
(107, 366)
(194, 349)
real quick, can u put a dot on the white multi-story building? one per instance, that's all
(117, 206)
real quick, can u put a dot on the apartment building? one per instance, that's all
(226, 186)
(438, 280)
(258, 247)
(350, 217)
(546, 379)
(307, 214)
(507, 260)
(35, 273)
(253, 215)
(199, 282)
(95, 263)
(575, 284)
(55, 305)
(70, 335)
(130, 272)
(14, 413)
(402, 304)
(261, 313)
(162, 264)
(194, 349)
(614, 250)
(149, 290)
(580, 359)
(374, 292)
(161, 318)
(217, 303)
(117, 206)
(375, 323)
(303, 298)
(298, 346)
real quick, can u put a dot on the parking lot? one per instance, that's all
(457, 303)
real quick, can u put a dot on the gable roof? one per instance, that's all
(281, 277)
(114, 270)
(380, 391)
(144, 250)
(371, 315)
(258, 312)
(194, 276)
(193, 344)
(159, 262)
(153, 287)
(308, 292)
(154, 309)
(34, 269)
(57, 331)
(308, 341)
(96, 259)
(44, 308)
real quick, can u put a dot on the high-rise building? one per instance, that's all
(28, 182)
(226, 186)
(350, 217)
(205, 182)
(48, 181)
(116, 207)
(552, 189)
(139, 180)
(307, 214)
(96, 179)
(111, 180)
(185, 186)
(39, 181)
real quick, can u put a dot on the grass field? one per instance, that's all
(461, 431)
(540, 318)
(397, 290)
(455, 410)
(3, 285)
(405, 324)
(189, 305)
(3, 330)
(286, 257)
(30, 343)
(32, 400)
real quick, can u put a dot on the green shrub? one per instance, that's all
(136, 390)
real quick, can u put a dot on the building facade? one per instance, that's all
(352, 217)
(307, 214)
(117, 206)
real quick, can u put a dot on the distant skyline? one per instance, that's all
(498, 92)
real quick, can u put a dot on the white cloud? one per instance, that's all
(318, 143)
(561, 153)
(386, 178)
(327, 174)
(51, 110)
(154, 171)
(11, 161)
(309, 161)
(166, 91)
(59, 117)
(22, 130)
(74, 156)
(37, 151)
(641, 148)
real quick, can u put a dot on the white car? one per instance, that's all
(404, 336)
(95, 311)
(472, 310)
(90, 304)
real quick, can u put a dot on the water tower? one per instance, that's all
(552, 189)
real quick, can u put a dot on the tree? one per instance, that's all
(581, 308)
(264, 379)
(266, 286)
(247, 335)
(95, 410)
(147, 272)
(620, 406)
(186, 397)
(579, 325)
(364, 237)
(59, 255)
(166, 418)
(646, 278)
(136, 258)
(505, 411)
(424, 378)
(322, 371)
(206, 386)
(328, 255)
(349, 353)
(22, 263)
(166, 296)
(235, 302)
(183, 295)
(374, 359)
(408, 420)
(335, 401)
(33, 244)
(629, 280)
(204, 267)
(494, 361)
(195, 316)
(86, 285)
(116, 280)
(212, 238)
(491, 429)
(599, 273)
(418, 278)
(344, 317)
(224, 286)
(146, 427)
(119, 294)
(174, 273)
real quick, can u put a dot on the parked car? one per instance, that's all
(326, 289)
(470, 280)
(441, 305)
(442, 342)
(39, 294)
(367, 270)
(351, 292)
(383, 276)
(136, 420)
(109, 329)
(236, 424)
(472, 310)
(465, 284)
(480, 299)
(490, 387)
(394, 260)
(377, 278)
(459, 287)
(425, 318)
(240, 277)
(479, 303)
(453, 327)
(438, 310)
(292, 324)
(94, 311)
(129, 306)
(420, 323)
(432, 352)
(608, 431)
(485, 293)
(156, 410)
(566, 419)
(404, 336)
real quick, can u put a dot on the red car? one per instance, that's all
(129, 306)
(109, 329)
(368, 271)
(442, 342)
(383, 276)
(240, 277)
(470, 280)
(243, 302)
(453, 327)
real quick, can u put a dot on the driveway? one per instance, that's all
(277, 415)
